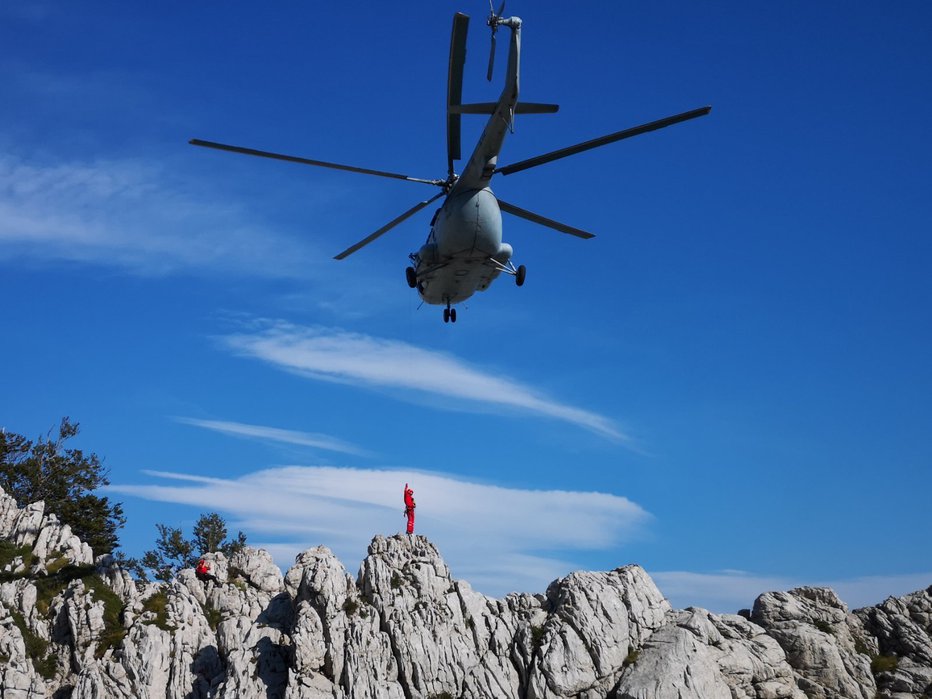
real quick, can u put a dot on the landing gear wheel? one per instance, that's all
(411, 277)
(452, 315)
(446, 315)
(520, 275)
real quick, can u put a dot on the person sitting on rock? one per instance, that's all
(409, 508)
(202, 571)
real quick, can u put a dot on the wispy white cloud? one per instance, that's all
(731, 590)
(362, 360)
(131, 215)
(499, 539)
(276, 434)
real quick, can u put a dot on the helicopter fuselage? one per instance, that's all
(464, 252)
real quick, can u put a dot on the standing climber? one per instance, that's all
(409, 508)
(202, 571)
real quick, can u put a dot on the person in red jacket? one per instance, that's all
(409, 508)
(202, 571)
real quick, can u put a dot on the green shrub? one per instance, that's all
(823, 626)
(537, 636)
(350, 606)
(631, 658)
(9, 552)
(56, 564)
(50, 586)
(60, 574)
(213, 616)
(396, 581)
(113, 633)
(37, 648)
(46, 666)
(884, 663)
(158, 604)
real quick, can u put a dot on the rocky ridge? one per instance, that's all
(72, 626)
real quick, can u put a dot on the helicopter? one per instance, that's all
(464, 252)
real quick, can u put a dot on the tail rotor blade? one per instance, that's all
(488, 75)
(493, 20)
(387, 227)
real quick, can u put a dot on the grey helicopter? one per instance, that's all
(464, 252)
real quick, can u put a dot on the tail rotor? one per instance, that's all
(493, 21)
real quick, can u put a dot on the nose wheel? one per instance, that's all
(449, 314)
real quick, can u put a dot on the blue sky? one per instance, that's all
(730, 385)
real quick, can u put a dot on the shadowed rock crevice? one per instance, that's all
(207, 669)
(386, 628)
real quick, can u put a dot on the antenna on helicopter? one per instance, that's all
(493, 21)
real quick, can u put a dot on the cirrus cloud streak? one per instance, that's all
(130, 214)
(337, 355)
(275, 434)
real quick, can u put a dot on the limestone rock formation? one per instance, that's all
(698, 654)
(819, 637)
(403, 628)
(902, 630)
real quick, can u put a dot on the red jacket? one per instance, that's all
(409, 498)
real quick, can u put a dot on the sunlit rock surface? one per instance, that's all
(403, 628)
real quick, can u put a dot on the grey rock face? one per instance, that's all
(902, 627)
(403, 628)
(439, 631)
(698, 654)
(32, 527)
(820, 638)
(596, 620)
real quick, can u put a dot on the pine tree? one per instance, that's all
(210, 533)
(173, 552)
(65, 479)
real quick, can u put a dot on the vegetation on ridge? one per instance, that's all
(173, 552)
(59, 576)
(65, 480)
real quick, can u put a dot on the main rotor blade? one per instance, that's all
(455, 87)
(387, 227)
(537, 218)
(603, 140)
(308, 161)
